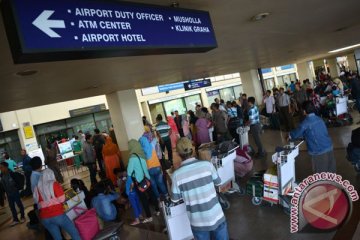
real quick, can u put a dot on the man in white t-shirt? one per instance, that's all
(270, 106)
(269, 102)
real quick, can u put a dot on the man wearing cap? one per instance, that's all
(194, 182)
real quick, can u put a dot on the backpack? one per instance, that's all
(19, 180)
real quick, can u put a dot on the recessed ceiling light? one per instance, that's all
(260, 16)
(25, 73)
(344, 48)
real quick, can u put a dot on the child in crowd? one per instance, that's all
(120, 184)
(134, 201)
(78, 185)
(105, 201)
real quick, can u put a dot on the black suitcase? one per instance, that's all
(111, 232)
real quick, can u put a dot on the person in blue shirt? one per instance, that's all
(36, 165)
(103, 203)
(318, 141)
(255, 126)
(27, 171)
(12, 164)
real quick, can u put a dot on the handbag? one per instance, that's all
(87, 224)
(144, 184)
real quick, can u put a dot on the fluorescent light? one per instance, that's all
(344, 48)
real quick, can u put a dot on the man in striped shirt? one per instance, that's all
(255, 126)
(194, 183)
(164, 131)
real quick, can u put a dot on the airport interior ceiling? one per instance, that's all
(295, 31)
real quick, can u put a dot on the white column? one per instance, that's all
(334, 70)
(28, 140)
(304, 71)
(251, 84)
(126, 117)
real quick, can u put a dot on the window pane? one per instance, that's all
(191, 102)
(85, 123)
(238, 90)
(10, 143)
(173, 105)
(227, 94)
(49, 127)
(269, 83)
(212, 95)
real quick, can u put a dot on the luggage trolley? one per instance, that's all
(243, 136)
(284, 158)
(177, 222)
(224, 165)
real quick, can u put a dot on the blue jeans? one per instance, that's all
(157, 181)
(135, 203)
(12, 199)
(54, 224)
(220, 233)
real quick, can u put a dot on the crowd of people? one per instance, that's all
(141, 182)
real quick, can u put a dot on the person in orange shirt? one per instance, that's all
(157, 181)
(112, 159)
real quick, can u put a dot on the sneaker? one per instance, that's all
(22, 220)
(147, 220)
(157, 213)
(135, 222)
(14, 223)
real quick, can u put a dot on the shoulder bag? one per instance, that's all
(144, 184)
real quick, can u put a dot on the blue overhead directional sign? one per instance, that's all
(45, 30)
(191, 85)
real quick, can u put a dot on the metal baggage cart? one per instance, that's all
(224, 165)
(177, 222)
(285, 162)
(243, 136)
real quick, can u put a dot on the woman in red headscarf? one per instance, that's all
(112, 158)
(174, 131)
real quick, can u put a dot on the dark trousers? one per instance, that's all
(167, 144)
(181, 132)
(12, 199)
(324, 162)
(286, 119)
(146, 198)
(92, 171)
(255, 131)
(27, 191)
(100, 160)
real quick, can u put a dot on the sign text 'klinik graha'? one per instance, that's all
(73, 29)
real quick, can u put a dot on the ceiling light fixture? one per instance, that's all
(175, 4)
(260, 16)
(26, 73)
(344, 48)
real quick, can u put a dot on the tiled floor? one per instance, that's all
(245, 220)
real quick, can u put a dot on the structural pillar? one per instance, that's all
(334, 70)
(251, 84)
(126, 118)
(304, 71)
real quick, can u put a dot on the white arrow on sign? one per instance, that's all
(45, 24)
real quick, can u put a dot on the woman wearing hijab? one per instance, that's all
(137, 169)
(174, 131)
(154, 167)
(49, 197)
(112, 159)
(202, 129)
